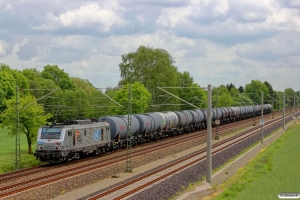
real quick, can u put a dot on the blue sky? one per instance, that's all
(218, 42)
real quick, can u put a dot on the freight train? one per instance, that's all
(75, 139)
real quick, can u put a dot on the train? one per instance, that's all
(78, 138)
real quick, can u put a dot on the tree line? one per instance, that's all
(142, 72)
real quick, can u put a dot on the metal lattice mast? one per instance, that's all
(294, 109)
(129, 139)
(262, 117)
(18, 129)
(283, 109)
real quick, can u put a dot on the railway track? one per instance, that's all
(128, 189)
(29, 171)
(73, 171)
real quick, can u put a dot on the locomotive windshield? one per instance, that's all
(50, 133)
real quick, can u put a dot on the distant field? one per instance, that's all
(8, 152)
(274, 171)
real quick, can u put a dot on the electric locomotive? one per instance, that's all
(60, 142)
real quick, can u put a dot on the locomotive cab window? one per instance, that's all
(51, 133)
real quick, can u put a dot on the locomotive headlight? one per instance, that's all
(40, 147)
(57, 148)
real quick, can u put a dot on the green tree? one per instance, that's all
(186, 80)
(20, 79)
(253, 90)
(151, 67)
(196, 95)
(77, 105)
(141, 98)
(8, 80)
(191, 92)
(279, 100)
(84, 85)
(236, 98)
(40, 87)
(219, 95)
(2, 100)
(234, 92)
(297, 97)
(92, 96)
(223, 90)
(58, 75)
(241, 89)
(31, 118)
(269, 98)
(7, 86)
(289, 96)
(229, 86)
(110, 107)
(224, 100)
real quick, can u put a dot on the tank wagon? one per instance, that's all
(56, 143)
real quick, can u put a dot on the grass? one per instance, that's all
(8, 153)
(274, 170)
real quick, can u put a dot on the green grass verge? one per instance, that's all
(274, 170)
(8, 153)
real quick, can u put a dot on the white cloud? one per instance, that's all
(25, 41)
(294, 3)
(88, 15)
(222, 8)
(170, 17)
(218, 42)
(70, 42)
(18, 46)
(85, 63)
(3, 48)
(8, 7)
(253, 16)
(283, 19)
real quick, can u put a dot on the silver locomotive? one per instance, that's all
(56, 143)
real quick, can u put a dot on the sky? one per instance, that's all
(218, 42)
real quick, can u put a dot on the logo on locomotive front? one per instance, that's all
(40, 142)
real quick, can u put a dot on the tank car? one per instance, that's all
(56, 143)
(119, 129)
(154, 125)
(225, 115)
(146, 126)
(183, 121)
(201, 119)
